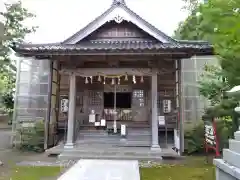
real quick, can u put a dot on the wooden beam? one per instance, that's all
(108, 71)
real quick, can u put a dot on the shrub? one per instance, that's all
(224, 131)
(194, 135)
(32, 136)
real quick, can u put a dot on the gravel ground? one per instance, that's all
(11, 157)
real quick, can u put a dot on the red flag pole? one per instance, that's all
(216, 138)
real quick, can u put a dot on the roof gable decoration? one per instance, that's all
(119, 2)
(119, 12)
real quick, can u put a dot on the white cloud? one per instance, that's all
(59, 19)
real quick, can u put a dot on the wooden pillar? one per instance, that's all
(71, 111)
(154, 85)
(181, 108)
(47, 120)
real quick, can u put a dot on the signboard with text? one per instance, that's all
(210, 133)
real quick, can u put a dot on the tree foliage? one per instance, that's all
(216, 21)
(15, 30)
(190, 5)
(213, 84)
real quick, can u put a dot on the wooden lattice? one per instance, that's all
(139, 96)
(94, 98)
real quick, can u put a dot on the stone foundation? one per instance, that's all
(228, 168)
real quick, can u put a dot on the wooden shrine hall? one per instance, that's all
(116, 82)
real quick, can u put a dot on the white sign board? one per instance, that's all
(97, 123)
(123, 130)
(64, 105)
(209, 135)
(28, 124)
(161, 120)
(103, 122)
(92, 118)
(176, 139)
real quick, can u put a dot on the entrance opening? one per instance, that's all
(123, 100)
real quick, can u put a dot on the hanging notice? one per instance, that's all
(210, 133)
(161, 120)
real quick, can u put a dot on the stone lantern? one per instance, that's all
(228, 168)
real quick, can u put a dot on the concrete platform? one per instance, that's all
(103, 169)
(103, 151)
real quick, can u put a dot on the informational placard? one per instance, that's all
(97, 123)
(161, 120)
(177, 140)
(210, 133)
(103, 122)
(92, 117)
(27, 124)
(64, 105)
(123, 130)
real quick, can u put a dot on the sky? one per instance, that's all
(59, 19)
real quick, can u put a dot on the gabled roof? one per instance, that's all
(119, 12)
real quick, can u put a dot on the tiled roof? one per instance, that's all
(134, 45)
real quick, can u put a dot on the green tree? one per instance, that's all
(213, 84)
(190, 5)
(14, 32)
(217, 21)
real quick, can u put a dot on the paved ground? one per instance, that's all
(104, 170)
(10, 157)
(5, 138)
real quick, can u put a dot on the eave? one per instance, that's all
(114, 48)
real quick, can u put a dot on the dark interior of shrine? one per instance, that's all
(123, 100)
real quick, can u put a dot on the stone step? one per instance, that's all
(237, 135)
(115, 139)
(101, 150)
(231, 157)
(112, 141)
(109, 157)
(133, 131)
(139, 133)
(105, 131)
(107, 152)
(116, 143)
(129, 135)
(103, 136)
(234, 145)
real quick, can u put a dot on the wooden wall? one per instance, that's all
(90, 96)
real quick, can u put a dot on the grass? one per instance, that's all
(35, 173)
(193, 169)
